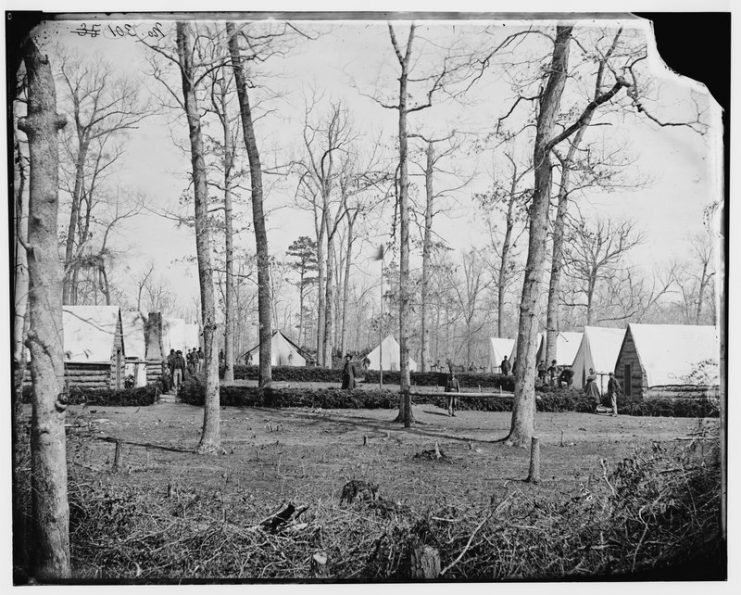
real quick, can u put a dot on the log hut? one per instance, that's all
(94, 355)
(668, 360)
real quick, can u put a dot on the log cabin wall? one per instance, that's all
(91, 376)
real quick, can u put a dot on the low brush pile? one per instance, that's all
(655, 515)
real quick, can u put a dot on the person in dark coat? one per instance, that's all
(505, 366)
(591, 389)
(179, 373)
(613, 388)
(542, 371)
(553, 372)
(348, 373)
(452, 387)
(566, 378)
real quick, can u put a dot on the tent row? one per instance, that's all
(647, 359)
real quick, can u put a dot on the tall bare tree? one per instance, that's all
(431, 207)
(48, 451)
(258, 214)
(210, 442)
(508, 198)
(103, 108)
(523, 410)
(324, 143)
(594, 253)
(220, 90)
(468, 294)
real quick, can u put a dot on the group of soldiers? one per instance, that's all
(176, 366)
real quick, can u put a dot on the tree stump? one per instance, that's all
(319, 565)
(534, 475)
(425, 562)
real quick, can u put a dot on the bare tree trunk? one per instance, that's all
(229, 241)
(68, 294)
(328, 346)
(258, 216)
(590, 300)
(405, 403)
(211, 434)
(321, 288)
(554, 284)
(346, 287)
(301, 341)
(45, 342)
(20, 329)
(523, 411)
(505, 256)
(426, 254)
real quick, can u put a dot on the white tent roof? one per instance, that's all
(498, 348)
(513, 353)
(281, 347)
(670, 352)
(391, 356)
(89, 333)
(567, 344)
(178, 334)
(599, 349)
(133, 334)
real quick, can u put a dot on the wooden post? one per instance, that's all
(425, 562)
(117, 457)
(534, 475)
(319, 565)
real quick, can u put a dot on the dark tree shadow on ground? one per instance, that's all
(381, 427)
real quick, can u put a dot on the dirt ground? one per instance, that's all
(304, 455)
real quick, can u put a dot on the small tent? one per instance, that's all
(567, 344)
(668, 360)
(134, 324)
(598, 350)
(94, 349)
(498, 348)
(390, 350)
(283, 352)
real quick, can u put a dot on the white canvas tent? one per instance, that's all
(283, 352)
(391, 356)
(567, 344)
(599, 350)
(90, 333)
(670, 352)
(135, 345)
(498, 348)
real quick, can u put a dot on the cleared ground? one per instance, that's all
(302, 455)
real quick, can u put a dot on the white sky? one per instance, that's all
(355, 57)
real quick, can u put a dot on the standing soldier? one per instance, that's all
(452, 387)
(348, 373)
(613, 388)
(505, 366)
(199, 360)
